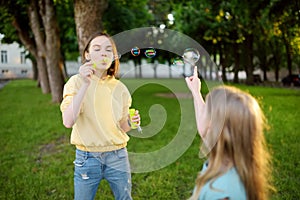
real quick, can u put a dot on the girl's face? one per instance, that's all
(100, 53)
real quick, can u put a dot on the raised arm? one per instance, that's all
(194, 84)
(71, 113)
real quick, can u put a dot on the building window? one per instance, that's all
(23, 57)
(3, 56)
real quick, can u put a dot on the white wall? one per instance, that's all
(14, 68)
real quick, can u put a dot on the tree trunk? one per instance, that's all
(40, 49)
(236, 62)
(155, 65)
(88, 19)
(222, 64)
(29, 45)
(34, 69)
(204, 67)
(264, 66)
(32, 44)
(52, 44)
(210, 65)
(288, 52)
(215, 61)
(140, 71)
(41, 38)
(249, 59)
(43, 80)
(263, 60)
(275, 46)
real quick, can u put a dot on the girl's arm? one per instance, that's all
(72, 111)
(124, 125)
(194, 84)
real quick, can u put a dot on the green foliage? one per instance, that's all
(36, 157)
(67, 29)
(197, 14)
(285, 19)
(9, 11)
(122, 15)
(219, 24)
(214, 24)
(17, 11)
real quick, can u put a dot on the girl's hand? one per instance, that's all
(86, 70)
(193, 82)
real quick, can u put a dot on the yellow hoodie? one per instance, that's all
(106, 103)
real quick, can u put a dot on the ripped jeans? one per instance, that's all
(92, 167)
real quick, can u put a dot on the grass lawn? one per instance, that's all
(36, 157)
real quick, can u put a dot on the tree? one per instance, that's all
(50, 44)
(41, 38)
(229, 27)
(285, 18)
(16, 28)
(88, 19)
(34, 24)
(209, 25)
(122, 15)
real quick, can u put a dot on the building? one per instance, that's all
(13, 61)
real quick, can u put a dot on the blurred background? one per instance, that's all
(250, 42)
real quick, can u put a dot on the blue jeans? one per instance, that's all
(92, 167)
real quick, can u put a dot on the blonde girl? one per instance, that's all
(231, 124)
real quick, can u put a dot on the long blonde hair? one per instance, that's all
(235, 138)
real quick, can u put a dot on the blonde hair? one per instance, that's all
(235, 139)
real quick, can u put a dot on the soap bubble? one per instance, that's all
(135, 51)
(178, 62)
(191, 55)
(150, 52)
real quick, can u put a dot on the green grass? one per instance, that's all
(36, 157)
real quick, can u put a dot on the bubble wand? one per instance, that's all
(134, 125)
